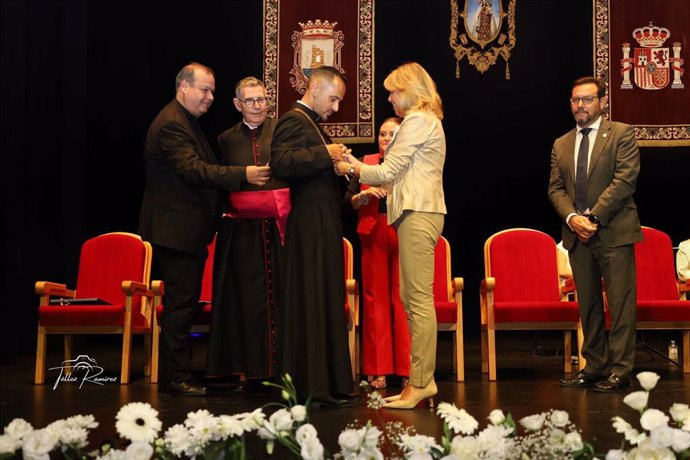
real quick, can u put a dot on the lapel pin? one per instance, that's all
(605, 134)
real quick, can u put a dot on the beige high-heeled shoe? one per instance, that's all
(412, 396)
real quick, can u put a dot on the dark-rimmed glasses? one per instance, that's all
(260, 101)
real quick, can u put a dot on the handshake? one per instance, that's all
(344, 164)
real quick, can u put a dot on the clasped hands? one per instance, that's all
(342, 158)
(258, 175)
(584, 228)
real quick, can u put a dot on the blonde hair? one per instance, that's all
(417, 91)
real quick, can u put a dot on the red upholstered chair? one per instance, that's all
(114, 268)
(521, 291)
(448, 303)
(351, 308)
(659, 291)
(202, 317)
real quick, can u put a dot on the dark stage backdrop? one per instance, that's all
(81, 82)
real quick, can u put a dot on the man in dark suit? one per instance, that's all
(594, 171)
(178, 213)
(312, 325)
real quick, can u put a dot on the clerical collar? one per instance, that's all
(249, 125)
(310, 109)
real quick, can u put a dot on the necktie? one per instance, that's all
(581, 173)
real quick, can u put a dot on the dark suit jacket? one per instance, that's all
(612, 176)
(178, 209)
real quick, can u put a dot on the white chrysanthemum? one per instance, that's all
(74, 437)
(646, 450)
(559, 418)
(418, 444)
(464, 447)
(652, 418)
(18, 428)
(251, 421)
(228, 427)
(681, 440)
(637, 400)
(679, 412)
(615, 454)
(630, 433)
(648, 380)
(496, 417)
(494, 442)
(282, 420)
(299, 413)
(38, 443)
(350, 440)
(306, 432)
(177, 439)
(8, 444)
(138, 422)
(312, 449)
(82, 421)
(458, 420)
(139, 450)
(533, 422)
(574, 441)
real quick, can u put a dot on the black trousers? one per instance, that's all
(182, 274)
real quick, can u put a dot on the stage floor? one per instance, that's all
(529, 366)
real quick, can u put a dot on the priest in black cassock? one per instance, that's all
(242, 339)
(312, 328)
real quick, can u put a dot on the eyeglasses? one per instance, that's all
(252, 102)
(586, 100)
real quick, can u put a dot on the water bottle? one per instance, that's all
(673, 351)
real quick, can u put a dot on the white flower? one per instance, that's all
(493, 441)
(203, 428)
(299, 413)
(370, 453)
(630, 433)
(305, 432)
(615, 454)
(139, 450)
(637, 400)
(18, 428)
(496, 417)
(464, 447)
(681, 440)
(74, 437)
(375, 400)
(8, 444)
(371, 437)
(559, 418)
(350, 440)
(417, 444)
(138, 422)
(282, 420)
(533, 422)
(648, 380)
(312, 449)
(229, 427)
(37, 444)
(679, 412)
(113, 454)
(652, 418)
(177, 439)
(82, 421)
(458, 420)
(646, 450)
(662, 436)
(574, 441)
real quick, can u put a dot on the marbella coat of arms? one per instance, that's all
(651, 63)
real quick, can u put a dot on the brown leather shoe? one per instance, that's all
(613, 383)
(582, 379)
(182, 389)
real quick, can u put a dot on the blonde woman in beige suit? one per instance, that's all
(413, 176)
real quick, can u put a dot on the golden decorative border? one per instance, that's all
(646, 135)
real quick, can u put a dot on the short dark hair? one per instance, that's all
(326, 72)
(601, 86)
(187, 73)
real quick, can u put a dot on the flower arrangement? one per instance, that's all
(547, 435)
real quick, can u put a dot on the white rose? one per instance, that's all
(637, 400)
(681, 440)
(312, 449)
(281, 419)
(648, 451)
(615, 454)
(574, 441)
(18, 428)
(496, 417)
(38, 443)
(139, 450)
(559, 418)
(350, 440)
(679, 412)
(648, 379)
(653, 418)
(305, 432)
(8, 445)
(464, 447)
(533, 422)
(662, 436)
(371, 437)
(299, 413)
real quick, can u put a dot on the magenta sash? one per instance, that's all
(262, 204)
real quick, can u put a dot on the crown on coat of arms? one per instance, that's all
(651, 36)
(317, 29)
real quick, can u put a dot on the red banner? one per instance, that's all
(642, 48)
(300, 35)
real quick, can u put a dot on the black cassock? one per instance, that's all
(312, 327)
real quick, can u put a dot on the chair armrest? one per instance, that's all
(53, 289)
(458, 284)
(136, 288)
(158, 287)
(487, 285)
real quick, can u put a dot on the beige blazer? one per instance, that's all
(413, 167)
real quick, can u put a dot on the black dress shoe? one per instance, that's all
(336, 402)
(182, 389)
(582, 379)
(613, 383)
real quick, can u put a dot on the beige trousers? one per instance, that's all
(418, 234)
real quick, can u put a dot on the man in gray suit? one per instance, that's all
(594, 170)
(178, 213)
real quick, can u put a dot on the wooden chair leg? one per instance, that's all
(567, 343)
(68, 352)
(686, 352)
(485, 352)
(492, 353)
(40, 371)
(147, 355)
(155, 340)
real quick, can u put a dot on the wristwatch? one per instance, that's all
(594, 219)
(351, 171)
